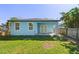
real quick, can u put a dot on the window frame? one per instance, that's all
(19, 26)
(30, 26)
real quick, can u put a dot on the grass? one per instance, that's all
(37, 45)
(32, 47)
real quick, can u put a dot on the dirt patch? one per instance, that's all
(48, 45)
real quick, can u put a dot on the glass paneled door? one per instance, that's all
(43, 28)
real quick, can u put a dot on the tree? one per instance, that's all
(8, 24)
(71, 19)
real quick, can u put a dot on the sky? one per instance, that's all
(33, 11)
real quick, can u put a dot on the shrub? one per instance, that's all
(55, 37)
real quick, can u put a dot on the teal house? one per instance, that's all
(32, 26)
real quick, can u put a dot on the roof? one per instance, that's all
(34, 20)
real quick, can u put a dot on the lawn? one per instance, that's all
(32, 47)
(43, 45)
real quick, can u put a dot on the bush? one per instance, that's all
(36, 37)
(55, 37)
(73, 48)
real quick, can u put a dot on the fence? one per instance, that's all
(72, 32)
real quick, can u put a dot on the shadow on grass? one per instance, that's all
(36, 37)
(73, 48)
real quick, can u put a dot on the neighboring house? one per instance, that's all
(3, 30)
(0, 29)
(32, 26)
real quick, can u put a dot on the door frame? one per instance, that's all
(43, 28)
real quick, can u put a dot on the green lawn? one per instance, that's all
(32, 47)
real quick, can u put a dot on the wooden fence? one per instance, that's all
(72, 32)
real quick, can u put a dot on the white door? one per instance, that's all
(43, 28)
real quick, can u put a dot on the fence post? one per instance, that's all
(77, 34)
(66, 31)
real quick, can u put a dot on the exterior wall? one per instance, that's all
(24, 28)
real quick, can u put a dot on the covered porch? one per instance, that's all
(45, 28)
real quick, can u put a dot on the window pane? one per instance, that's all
(30, 26)
(17, 26)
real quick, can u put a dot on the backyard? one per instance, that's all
(35, 46)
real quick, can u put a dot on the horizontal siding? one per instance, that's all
(24, 30)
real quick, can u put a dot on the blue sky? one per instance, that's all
(33, 10)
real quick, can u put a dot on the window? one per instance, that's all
(30, 26)
(17, 26)
(43, 28)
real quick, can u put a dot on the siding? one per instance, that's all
(24, 30)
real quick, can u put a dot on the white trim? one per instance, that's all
(28, 26)
(44, 27)
(19, 26)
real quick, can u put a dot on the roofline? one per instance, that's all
(33, 20)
